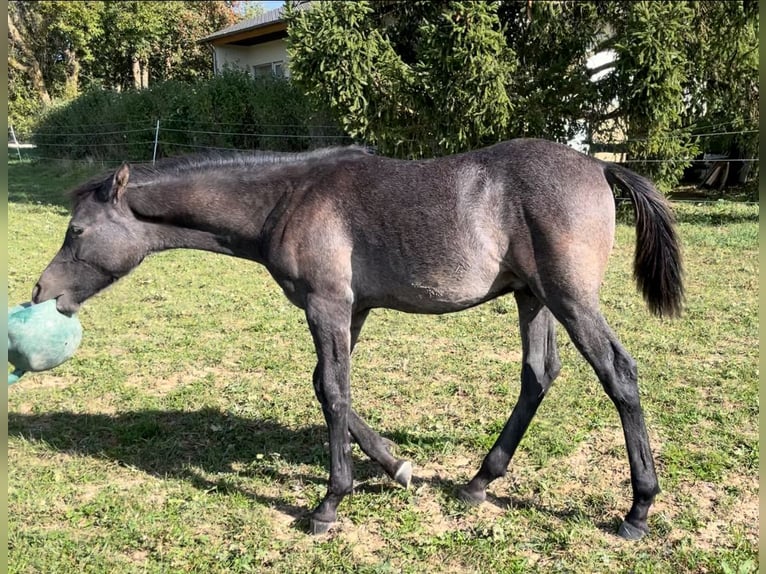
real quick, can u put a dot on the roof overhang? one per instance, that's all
(263, 28)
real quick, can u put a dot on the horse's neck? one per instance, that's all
(218, 212)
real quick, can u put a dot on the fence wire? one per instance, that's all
(129, 141)
(145, 144)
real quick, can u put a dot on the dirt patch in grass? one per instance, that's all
(717, 512)
(42, 381)
(164, 385)
(138, 557)
(366, 542)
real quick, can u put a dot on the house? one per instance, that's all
(258, 45)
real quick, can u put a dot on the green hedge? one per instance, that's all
(231, 110)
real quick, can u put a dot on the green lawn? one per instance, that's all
(184, 435)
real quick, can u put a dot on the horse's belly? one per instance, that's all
(440, 273)
(424, 295)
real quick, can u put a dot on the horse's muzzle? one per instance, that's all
(64, 302)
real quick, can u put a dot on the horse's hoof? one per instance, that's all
(319, 526)
(630, 532)
(471, 497)
(404, 474)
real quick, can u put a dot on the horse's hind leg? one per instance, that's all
(540, 366)
(617, 373)
(371, 443)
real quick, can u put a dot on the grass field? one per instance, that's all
(184, 435)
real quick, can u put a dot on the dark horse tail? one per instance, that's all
(657, 267)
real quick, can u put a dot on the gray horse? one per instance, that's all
(343, 231)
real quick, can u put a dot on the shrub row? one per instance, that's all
(231, 110)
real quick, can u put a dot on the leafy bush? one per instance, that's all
(23, 106)
(233, 110)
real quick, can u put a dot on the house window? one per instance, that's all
(272, 69)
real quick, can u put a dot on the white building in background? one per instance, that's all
(258, 45)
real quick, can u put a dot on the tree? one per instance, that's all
(182, 57)
(58, 47)
(246, 10)
(155, 40)
(724, 81)
(552, 82)
(49, 41)
(684, 68)
(26, 84)
(135, 32)
(652, 70)
(411, 77)
(419, 78)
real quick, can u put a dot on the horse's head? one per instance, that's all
(102, 244)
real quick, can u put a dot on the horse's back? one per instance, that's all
(444, 234)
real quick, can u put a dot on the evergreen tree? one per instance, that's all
(414, 78)
(652, 71)
(426, 78)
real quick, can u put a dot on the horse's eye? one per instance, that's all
(76, 230)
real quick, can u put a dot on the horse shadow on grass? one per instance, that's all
(196, 445)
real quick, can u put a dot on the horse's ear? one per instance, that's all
(119, 183)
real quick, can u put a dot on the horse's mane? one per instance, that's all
(214, 159)
(174, 166)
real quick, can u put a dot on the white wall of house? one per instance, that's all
(246, 57)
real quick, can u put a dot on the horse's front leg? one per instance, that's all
(329, 318)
